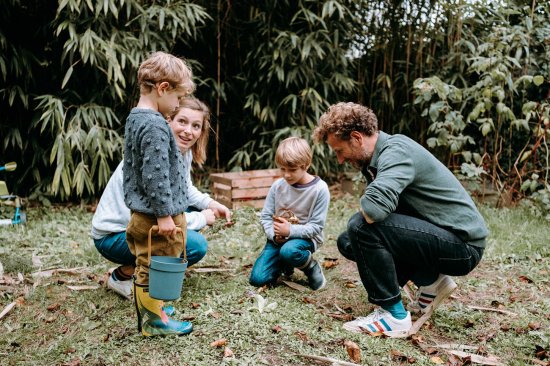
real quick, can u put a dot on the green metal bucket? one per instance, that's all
(166, 275)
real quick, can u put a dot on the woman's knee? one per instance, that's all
(197, 247)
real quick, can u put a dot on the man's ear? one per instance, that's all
(356, 136)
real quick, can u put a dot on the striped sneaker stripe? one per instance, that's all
(388, 328)
(371, 328)
(380, 329)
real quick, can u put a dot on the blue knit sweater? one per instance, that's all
(154, 170)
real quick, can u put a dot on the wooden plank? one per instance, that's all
(224, 202)
(253, 182)
(237, 194)
(248, 174)
(249, 203)
(222, 191)
(228, 178)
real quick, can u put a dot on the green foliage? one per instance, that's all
(69, 85)
(53, 324)
(296, 65)
(498, 117)
(450, 75)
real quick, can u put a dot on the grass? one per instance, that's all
(54, 325)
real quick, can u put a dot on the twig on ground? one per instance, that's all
(330, 360)
(456, 346)
(7, 309)
(84, 287)
(536, 361)
(210, 269)
(490, 360)
(492, 309)
(51, 272)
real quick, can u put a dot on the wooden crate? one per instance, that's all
(243, 189)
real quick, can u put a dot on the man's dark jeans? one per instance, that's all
(402, 248)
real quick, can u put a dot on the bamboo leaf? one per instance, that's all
(67, 77)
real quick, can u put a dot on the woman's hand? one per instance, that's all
(209, 216)
(220, 210)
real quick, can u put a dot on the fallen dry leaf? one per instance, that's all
(401, 357)
(350, 285)
(469, 357)
(227, 352)
(354, 352)
(302, 336)
(330, 263)
(437, 360)
(525, 279)
(342, 317)
(73, 362)
(53, 307)
(456, 361)
(276, 329)
(541, 353)
(534, 326)
(296, 286)
(219, 343)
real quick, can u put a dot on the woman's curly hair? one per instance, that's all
(342, 119)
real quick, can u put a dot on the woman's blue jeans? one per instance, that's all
(115, 248)
(402, 248)
(275, 258)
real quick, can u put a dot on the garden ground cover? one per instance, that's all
(64, 315)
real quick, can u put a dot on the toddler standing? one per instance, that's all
(155, 187)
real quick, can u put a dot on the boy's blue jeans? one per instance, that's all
(115, 248)
(275, 257)
(402, 248)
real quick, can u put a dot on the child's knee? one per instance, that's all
(255, 280)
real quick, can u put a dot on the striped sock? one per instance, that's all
(397, 310)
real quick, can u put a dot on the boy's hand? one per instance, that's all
(166, 226)
(281, 227)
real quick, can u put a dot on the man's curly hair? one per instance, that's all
(342, 119)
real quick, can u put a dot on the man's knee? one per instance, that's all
(344, 246)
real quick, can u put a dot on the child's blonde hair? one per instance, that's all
(162, 66)
(293, 152)
(200, 147)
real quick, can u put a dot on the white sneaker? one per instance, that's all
(123, 288)
(382, 321)
(434, 294)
